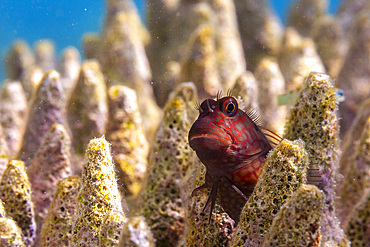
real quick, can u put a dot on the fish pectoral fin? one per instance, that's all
(199, 188)
(211, 198)
(235, 188)
(207, 185)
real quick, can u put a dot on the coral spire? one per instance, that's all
(16, 195)
(98, 196)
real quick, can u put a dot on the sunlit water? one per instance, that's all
(65, 22)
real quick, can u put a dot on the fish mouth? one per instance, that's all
(212, 141)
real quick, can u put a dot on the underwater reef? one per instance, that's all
(95, 152)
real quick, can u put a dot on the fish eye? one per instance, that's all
(229, 106)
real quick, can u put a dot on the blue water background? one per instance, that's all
(65, 21)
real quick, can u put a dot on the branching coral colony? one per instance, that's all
(80, 138)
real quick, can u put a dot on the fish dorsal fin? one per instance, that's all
(254, 115)
(271, 136)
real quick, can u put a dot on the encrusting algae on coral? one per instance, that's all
(50, 164)
(10, 233)
(15, 192)
(314, 120)
(170, 167)
(98, 195)
(57, 226)
(199, 229)
(202, 41)
(87, 109)
(298, 221)
(111, 228)
(125, 132)
(46, 109)
(284, 171)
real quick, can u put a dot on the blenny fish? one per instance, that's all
(233, 146)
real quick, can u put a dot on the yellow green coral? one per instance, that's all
(282, 174)
(91, 43)
(16, 196)
(170, 166)
(120, 49)
(10, 233)
(98, 195)
(199, 231)
(110, 230)
(57, 226)
(298, 221)
(125, 132)
(351, 139)
(230, 60)
(179, 19)
(314, 120)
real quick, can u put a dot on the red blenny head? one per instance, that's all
(231, 146)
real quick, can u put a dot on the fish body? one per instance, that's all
(233, 148)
